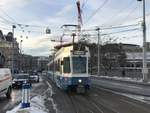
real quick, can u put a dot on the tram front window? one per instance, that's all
(79, 64)
(66, 65)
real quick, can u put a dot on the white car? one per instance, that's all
(5, 82)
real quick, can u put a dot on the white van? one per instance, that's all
(5, 82)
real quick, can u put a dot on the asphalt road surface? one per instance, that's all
(6, 104)
(122, 86)
(98, 100)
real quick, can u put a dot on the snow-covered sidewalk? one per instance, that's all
(37, 106)
(38, 103)
(119, 78)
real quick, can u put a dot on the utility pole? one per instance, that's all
(73, 38)
(145, 69)
(21, 46)
(98, 54)
(53, 65)
(13, 41)
(21, 55)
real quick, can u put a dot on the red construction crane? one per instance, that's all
(79, 17)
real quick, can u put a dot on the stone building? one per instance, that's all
(10, 50)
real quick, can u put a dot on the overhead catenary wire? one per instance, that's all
(108, 27)
(97, 10)
(13, 21)
(130, 13)
(116, 27)
(84, 3)
(119, 12)
(8, 15)
(110, 33)
(5, 20)
(121, 31)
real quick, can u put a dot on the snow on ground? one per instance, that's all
(51, 99)
(140, 98)
(120, 78)
(38, 103)
(37, 106)
(137, 97)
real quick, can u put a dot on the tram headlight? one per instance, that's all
(79, 80)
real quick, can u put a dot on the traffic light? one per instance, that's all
(48, 31)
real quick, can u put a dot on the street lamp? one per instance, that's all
(145, 70)
(21, 46)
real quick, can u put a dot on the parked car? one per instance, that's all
(5, 82)
(44, 73)
(34, 77)
(19, 79)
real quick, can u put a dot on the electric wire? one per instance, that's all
(84, 3)
(96, 11)
(7, 15)
(120, 12)
(109, 27)
(130, 13)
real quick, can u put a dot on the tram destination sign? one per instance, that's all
(79, 52)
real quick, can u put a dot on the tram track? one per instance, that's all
(85, 104)
(98, 100)
(80, 105)
(73, 104)
(117, 102)
(100, 107)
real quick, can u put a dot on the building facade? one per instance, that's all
(10, 50)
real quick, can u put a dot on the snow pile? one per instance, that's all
(120, 78)
(38, 103)
(140, 98)
(37, 106)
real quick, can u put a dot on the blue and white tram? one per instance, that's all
(69, 68)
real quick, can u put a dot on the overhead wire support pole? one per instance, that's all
(98, 53)
(145, 69)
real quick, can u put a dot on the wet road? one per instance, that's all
(98, 100)
(6, 104)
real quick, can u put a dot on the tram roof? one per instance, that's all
(65, 45)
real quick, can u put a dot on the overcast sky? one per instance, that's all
(54, 13)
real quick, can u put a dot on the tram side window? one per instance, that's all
(57, 66)
(66, 65)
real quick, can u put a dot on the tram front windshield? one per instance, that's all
(79, 64)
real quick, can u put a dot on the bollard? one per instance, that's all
(25, 95)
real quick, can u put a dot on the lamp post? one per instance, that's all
(21, 55)
(21, 46)
(13, 41)
(145, 69)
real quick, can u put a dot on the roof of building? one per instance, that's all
(136, 55)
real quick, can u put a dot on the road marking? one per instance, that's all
(50, 87)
